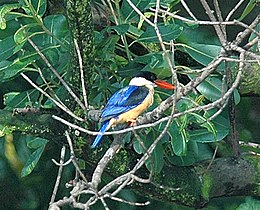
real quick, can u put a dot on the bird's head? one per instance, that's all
(146, 78)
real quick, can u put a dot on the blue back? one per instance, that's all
(124, 100)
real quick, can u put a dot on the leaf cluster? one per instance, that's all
(19, 22)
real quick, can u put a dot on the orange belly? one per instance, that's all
(135, 112)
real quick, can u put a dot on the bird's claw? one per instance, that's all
(132, 122)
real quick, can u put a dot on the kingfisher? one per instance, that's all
(129, 102)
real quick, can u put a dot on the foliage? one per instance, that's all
(124, 47)
(250, 203)
(50, 33)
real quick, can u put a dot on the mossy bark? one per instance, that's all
(80, 21)
(34, 124)
(195, 186)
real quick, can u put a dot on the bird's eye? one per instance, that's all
(153, 77)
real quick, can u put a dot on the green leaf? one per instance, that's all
(249, 7)
(20, 100)
(222, 127)
(155, 162)
(30, 164)
(196, 152)
(213, 87)
(57, 25)
(204, 136)
(52, 56)
(138, 148)
(12, 26)
(155, 57)
(21, 34)
(204, 152)
(155, 63)
(236, 96)
(129, 13)
(10, 70)
(5, 130)
(221, 123)
(168, 33)
(130, 69)
(250, 204)
(39, 6)
(8, 97)
(200, 44)
(178, 139)
(202, 53)
(35, 143)
(32, 161)
(120, 29)
(203, 122)
(108, 46)
(7, 47)
(4, 10)
(127, 138)
(163, 3)
(16, 67)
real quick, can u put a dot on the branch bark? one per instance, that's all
(35, 124)
(226, 177)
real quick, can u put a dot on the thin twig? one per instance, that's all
(237, 22)
(57, 74)
(57, 183)
(242, 35)
(82, 76)
(251, 44)
(129, 202)
(188, 10)
(117, 21)
(74, 161)
(234, 9)
(61, 164)
(212, 159)
(122, 186)
(218, 29)
(61, 106)
(140, 13)
(219, 17)
(104, 203)
(200, 22)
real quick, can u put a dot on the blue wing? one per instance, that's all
(124, 100)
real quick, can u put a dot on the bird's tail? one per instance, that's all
(104, 127)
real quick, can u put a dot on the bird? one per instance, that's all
(125, 105)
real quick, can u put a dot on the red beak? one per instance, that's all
(164, 85)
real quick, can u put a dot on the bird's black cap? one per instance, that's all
(147, 75)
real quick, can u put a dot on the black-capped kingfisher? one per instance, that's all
(129, 102)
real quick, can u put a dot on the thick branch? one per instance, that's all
(226, 177)
(35, 124)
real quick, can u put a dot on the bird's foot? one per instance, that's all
(132, 122)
